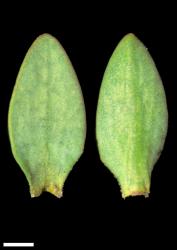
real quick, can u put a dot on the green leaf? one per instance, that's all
(132, 117)
(47, 124)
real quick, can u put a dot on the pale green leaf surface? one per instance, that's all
(47, 124)
(132, 117)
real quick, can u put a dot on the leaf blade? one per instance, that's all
(132, 116)
(47, 124)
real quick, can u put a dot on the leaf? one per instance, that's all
(132, 117)
(47, 124)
